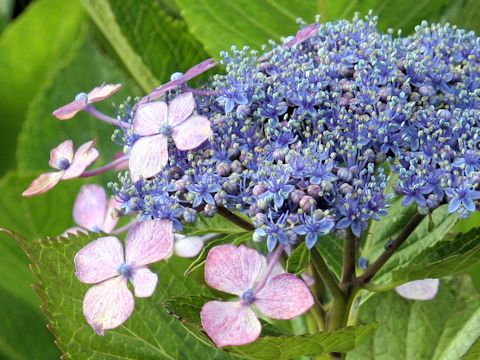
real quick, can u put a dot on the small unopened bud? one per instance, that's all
(231, 187)
(362, 263)
(189, 215)
(318, 214)
(292, 237)
(181, 185)
(236, 166)
(219, 198)
(346, 189)
(279, 154)
(296, 196)
(210, 210)
(243, 110)
(223, 169)
(314, 191)
(307, 203)
(259, 189)
(293, 219)
(258, 220)
(262, 204)
(344, 174)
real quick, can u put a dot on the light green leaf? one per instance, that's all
(83, 68)
(298, 260)
(272, 345)
(29, 49)
(235, 239)
(207, 225)
(474, 352)
(331, 249)
(150, 333)
(150, 44)
(442, 329)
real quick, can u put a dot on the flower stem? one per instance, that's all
(237, 220)
(322, 269)
(349, 261)
(124, 228)
(271, 264)
(104, 168)
(105, 118)
(200, 92)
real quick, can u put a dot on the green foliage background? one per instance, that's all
(57, 48)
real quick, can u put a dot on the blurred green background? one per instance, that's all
(52, 49)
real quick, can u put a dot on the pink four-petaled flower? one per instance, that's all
(70, 164)
(155, 122)
(238, 271)
(82, 100)
(109, 303)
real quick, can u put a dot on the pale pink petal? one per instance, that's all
(284, 297)
(425, 289)
(230, 323)
(188, 246)
(61, 152)
(149, 117)
(144, 281)
(233, 269)
(111, 218)
(43, 183)
(108, 304)
(90, 208)
(148, 242)
(192, 132)
(70, 110)
(102, 92)
(99, 260)
(190, 74)
(84, 157)
(302, 35)
(148, 156)
(180, 108)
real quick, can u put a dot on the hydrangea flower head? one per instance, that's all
(155, 122)
(69, 163)
(82, 100)
(102, 262)
(239, 271)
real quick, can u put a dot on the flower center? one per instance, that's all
(165, 129)
(81, 97)
(63, 164)
(247, 297)
(125, 270)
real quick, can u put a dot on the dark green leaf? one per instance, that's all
(330, 248)
(298, 260)
(443, 328)
(217, 224)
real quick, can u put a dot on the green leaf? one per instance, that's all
(29, 49)
(474, 352)
(208, 225)
(272, 345)
(150, 333)
(330, 248)
(150, 44)
(442, 329)
(298, 260)
(83, 68)
(235, 239)
(464, 14)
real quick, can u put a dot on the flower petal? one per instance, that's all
(302, 35)
(108, 304)
(70, 110)
(148, 242)
(111, 217)
(192, 132)
(180, 108)
(230, 323)
(149, 117)
(99, 260)
(425, 289)
(284, 297)
(144, 281)
(62, 151)
(148, 156)
(43, 183)
(84, 157)
(188, 246)
(233, 269)
(89, 210)
(102, 92)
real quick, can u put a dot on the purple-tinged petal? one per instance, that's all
(144, 282)
(192, 132)
(230, 323)
(148, 156)
(99, 260)
(302, 35)
(284, 297)
(102, 92)
(425, 289)
(70, 110)
(233, 269)
(148, 242)
(90, 208)
(84, 157)
(180, 108)
(149, 117)
(111, 217)
(190, 74)
(108, 304)
(454, 205)
(43, 183)
(188, 246)
(62, 152)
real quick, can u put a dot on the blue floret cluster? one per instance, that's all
(306, 137)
